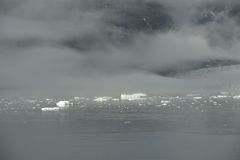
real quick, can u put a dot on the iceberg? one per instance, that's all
(63, 104)
(132, 97)
(53, 109)
(102, 99)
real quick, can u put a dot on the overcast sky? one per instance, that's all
(106, 47)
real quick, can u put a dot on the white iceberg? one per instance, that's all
(132, 97)
(102, 99)
(63, 104)
(52, 109)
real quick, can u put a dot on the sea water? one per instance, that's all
(176, 128)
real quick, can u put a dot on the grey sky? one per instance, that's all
(93, 47)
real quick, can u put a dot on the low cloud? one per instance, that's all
(77, 47)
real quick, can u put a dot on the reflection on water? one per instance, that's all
(110, 135)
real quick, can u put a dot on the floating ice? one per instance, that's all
(236, 97)
(53, 109)
(63, 104)
(76, 98)
(132, 97)
(165, 102)
(197, 97)
(102, 99)
(222, 96)
(127, 122)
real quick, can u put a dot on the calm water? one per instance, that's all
(103, 134)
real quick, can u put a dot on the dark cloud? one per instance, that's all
(221, 20)
(146, 17)
(8, 5)
(118, 22)
(74, 46)
(210, 12)
(218, 12)
(122, 21)
(188, 67)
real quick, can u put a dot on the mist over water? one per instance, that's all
(159, 127)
